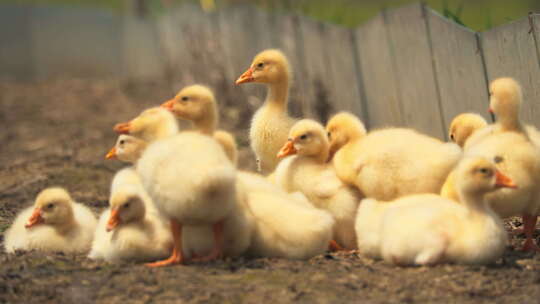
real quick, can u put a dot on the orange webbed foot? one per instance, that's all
(172, 260)
(334, 246)
(530, 246)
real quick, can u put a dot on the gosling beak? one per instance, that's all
(503, 181)
(122, 128)
(114, 220)
(287, 149)
(34, 219)
(168, 104)
(246, 77)
(111, 154)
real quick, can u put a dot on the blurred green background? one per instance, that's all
(475, 14)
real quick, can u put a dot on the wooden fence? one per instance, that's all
(405, 67)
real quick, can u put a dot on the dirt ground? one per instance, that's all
(57, 133)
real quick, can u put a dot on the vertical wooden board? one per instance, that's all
(535, 115)
(318, 82)
(75, 42)
(227, 37)
(260, 32)
(414, 69)
(142, 55)
(510, 51)
(380, 82)
(257, 32)
(458, 67)
(342, 68)
(284, 37)
(234, 23)
(16, 58)
(175, 47)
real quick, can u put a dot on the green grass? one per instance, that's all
(475, 14)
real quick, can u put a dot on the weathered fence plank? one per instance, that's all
(414, 69)
(75, 42)
(339, 48)
(380, 83)
(458, 67)
(535, 115)
(320, 83)
(510, 50)
(142, 58)
(285, 37)
(16, 58)
(405, 67)
(239, 49)
(175, 45)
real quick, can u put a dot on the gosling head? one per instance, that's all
(307, 138)
(126, 206)
(195, 103)
(269, 66)
(477, 175)
(53, 206)
(151, 124)
(127, 149)
(342, 128)
(505, 98)
(464, 125)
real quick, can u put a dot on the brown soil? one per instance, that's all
(57, 132)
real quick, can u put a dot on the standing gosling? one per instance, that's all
(271, 123)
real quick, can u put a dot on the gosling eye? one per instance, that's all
(329, 135)
(498, 159)
(260, 65)
(50, 206)
(485, 171)
(126, 205)
(122, 142)
(452, 137)
(185, 98)
(303, 137)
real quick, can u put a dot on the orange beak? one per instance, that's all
(503, 181)
(34, 219)
(169, 104)
(114, 220)
(287, 149)
(122, 128)
(111, 154)
(246, 77)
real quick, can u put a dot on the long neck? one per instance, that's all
(324, 154)
(67, 223)
(278, 94)
(510, 121)
(207, 123)
(475, 203)
(162, 130)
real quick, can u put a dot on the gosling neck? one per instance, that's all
(324, 154)
(162, 130)
(510, 121)
(475, 202)
(278, 94)
(67, 224)
(207, 124)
